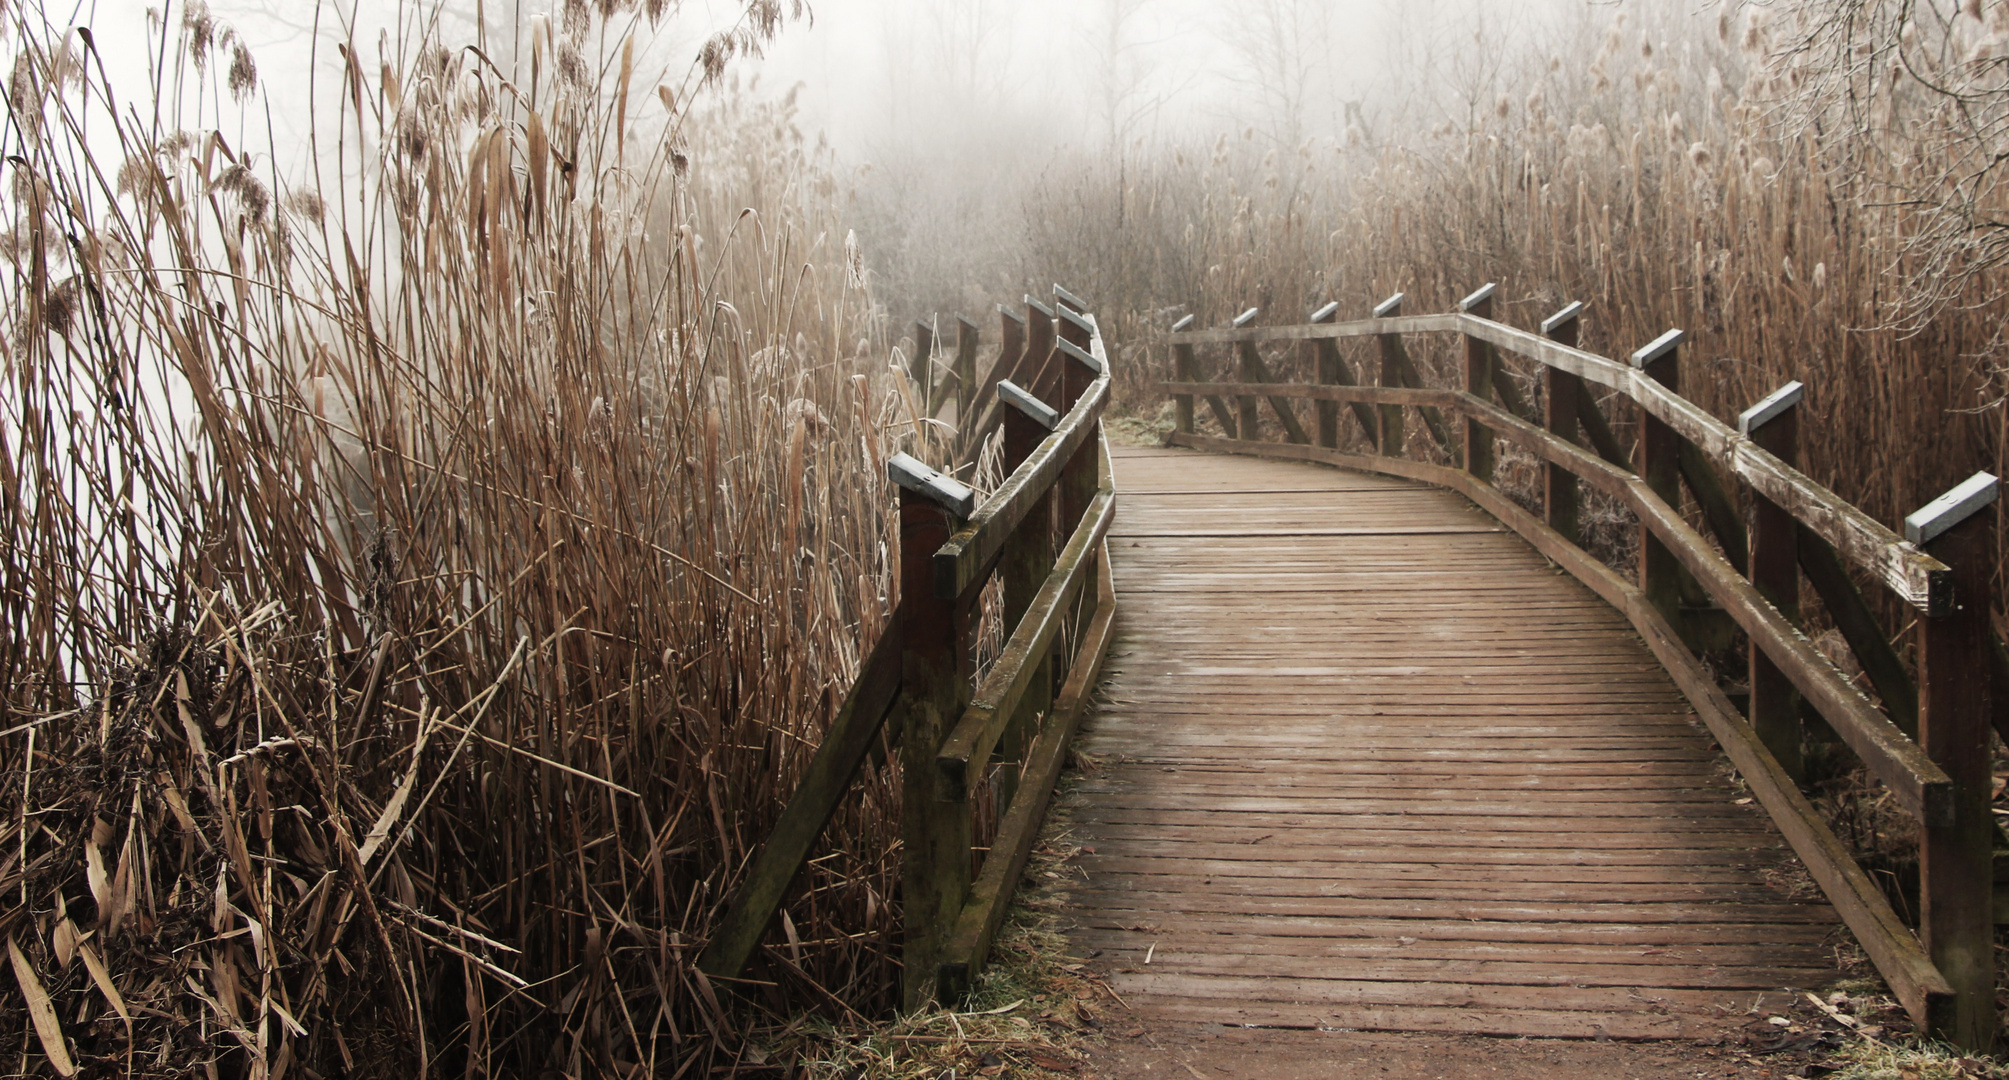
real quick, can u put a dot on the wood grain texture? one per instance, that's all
(1406, 782)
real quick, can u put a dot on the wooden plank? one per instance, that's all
(1350, 763)
(1890, 945)
(851, 734)
(1895, 759)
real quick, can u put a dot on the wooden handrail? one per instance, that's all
(1940, 974)
(919, 671)
(971, 741)
(973, 549)
(1918, 578)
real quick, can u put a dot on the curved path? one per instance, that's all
(1368, 761)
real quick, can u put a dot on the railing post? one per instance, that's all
(1039, 336)
(1325, 352)
(920, 369)
(1391, 376)
(1479, 384)
(1246, 403)
(967, 338)
(1184, 369)
(1011, 345)
(1078, 369)
(935, 835)
(1560, 392)
(1774, 425)
(1024, 564)
(1955, 865)
(1659, 464)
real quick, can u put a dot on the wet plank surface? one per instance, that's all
(1368, 761)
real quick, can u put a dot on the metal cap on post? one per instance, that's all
(1771, 407)
(1184, 324)
(1245, 318)
(1033, 303)
(921, 478)
(1963, 501)
(1080, 356)
(1328, 313)
(1010, 314)
(1657, 348)
(1479, 296)
(1560, 319)
(1074, 325)
(1064, 298)
(1032, 408)
(1389, 308)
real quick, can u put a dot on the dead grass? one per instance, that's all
(421, 585)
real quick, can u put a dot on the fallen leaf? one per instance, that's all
(48, 1029)
(1050, 1061)
(104, 980)
(64, 942)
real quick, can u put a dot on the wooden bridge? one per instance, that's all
(1378, 746)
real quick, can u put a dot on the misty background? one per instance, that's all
(957, 126)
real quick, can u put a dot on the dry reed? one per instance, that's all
(423, 583)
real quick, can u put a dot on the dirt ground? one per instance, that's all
(1217, 1052)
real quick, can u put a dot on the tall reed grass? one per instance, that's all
(423, 581)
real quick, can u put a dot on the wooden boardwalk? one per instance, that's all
(1368, 761)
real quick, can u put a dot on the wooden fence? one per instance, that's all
(1927, 742)
(1041, 533)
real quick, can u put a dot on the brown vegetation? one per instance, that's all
(420, 587)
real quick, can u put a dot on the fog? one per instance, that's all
(944, 120)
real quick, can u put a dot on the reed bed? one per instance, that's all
(423, 581)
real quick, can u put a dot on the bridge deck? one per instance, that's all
(1369, 762)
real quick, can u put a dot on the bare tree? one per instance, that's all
(1280, 51)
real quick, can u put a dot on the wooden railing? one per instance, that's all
(1007, 733)
(1928, 743)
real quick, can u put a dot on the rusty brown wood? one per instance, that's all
(1775, 571)
(1363, 870)
(1955, 864)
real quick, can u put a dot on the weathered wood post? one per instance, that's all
(934, 834)
(1324, 354)
(1955, 866)
(1081, 477)
(1774, 425)
(1024, 564)
(1011, 345)
(1039, 337)
(920, 368)
(967, 339)
(1559, 414)
(1479, 384)
(1658, 463)
(1079, 367)
(1246, 422)
(1391, 376)
(1184, 369)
